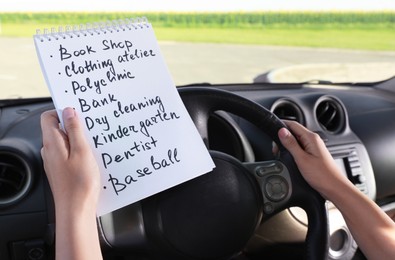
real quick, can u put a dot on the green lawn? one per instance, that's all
(349, 38)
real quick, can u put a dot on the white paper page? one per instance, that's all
(140, 132)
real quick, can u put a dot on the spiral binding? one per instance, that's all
(96, 28)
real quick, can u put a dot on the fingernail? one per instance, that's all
(68, 113)
(283, 133)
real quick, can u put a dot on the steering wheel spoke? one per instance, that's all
(275, 184)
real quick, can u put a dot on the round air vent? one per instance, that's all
(15, 178)
(287, 110)
(330, 114)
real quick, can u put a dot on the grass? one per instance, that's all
(365, 31)
(210, 19)
(323, 38)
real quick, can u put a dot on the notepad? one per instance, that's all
(115, 77)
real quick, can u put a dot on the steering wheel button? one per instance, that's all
(268, 208)
(276, 188)
(270, 168)
(278, 168)
(261, 171)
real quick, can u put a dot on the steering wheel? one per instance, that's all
(213, 216)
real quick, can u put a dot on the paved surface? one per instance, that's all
(215, 63)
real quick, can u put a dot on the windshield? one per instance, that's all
(219, 41)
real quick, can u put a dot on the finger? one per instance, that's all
(53, 136)
(309, 141)
(290, 142)
(74, 130)
(49, 121)
(275, 149)
(296, 128)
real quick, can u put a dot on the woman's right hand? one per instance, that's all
(311, 156)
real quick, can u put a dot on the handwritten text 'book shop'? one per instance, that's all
(141, 134)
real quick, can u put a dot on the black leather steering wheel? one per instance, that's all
(213, 216)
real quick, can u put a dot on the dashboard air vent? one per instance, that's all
(15, 178)
(330, 115)
(287, 110)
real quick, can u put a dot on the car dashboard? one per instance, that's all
(356, 122)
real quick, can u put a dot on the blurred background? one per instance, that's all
(234, 41)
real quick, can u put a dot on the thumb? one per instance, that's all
(290, 142)
(73, 129)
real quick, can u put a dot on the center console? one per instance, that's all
(354, 163)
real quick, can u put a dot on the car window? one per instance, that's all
(220, 42)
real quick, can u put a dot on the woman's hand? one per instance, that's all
(74, 178)
(371, 228)
(311, 156)
(72, 171)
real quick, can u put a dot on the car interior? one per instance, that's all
(355, 121)
(255, 203)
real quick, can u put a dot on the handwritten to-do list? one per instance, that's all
(138, 128)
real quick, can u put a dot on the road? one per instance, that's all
(193, 63)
